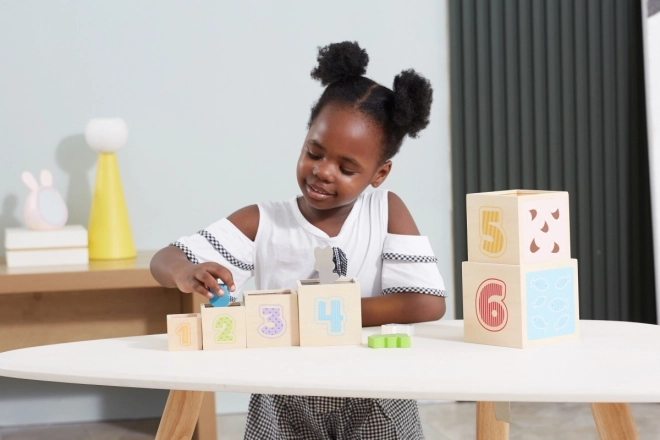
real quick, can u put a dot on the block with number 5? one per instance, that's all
(271, 318)
(521, 305)
(223, 327)
(330, 314)
(184, 332)
(518, 226)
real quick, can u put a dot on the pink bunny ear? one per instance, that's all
(29, 181)
(46, 178)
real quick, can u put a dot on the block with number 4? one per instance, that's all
(184, 332)
(223, 327)
(518, 227)
(271, 318)
(330, 314)
(520, 305)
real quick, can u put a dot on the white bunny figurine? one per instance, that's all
(44, 207)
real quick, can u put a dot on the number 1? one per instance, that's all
(183, 330)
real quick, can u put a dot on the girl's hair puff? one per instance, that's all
(402, 111)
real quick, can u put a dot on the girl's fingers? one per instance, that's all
(200, 288)
(210, 282)
(224, 274)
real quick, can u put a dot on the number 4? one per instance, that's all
(334, 319)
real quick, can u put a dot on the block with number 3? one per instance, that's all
(520, 306)
(271, 318)
(223, 327)
(330, 314)
(184, 332)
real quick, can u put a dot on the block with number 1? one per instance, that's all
(330, 314)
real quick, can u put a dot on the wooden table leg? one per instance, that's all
(614, 421)
(488, 427)
(180, 415)
(207, 428)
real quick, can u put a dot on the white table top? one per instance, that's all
(612, 362)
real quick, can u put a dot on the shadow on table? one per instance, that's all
(152, 342)
(445, 330)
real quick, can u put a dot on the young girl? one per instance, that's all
(355, 129)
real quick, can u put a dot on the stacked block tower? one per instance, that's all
(520, 285)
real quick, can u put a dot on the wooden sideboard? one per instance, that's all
(105, 299)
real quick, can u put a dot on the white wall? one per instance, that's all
(216, 96)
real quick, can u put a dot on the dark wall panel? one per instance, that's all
(549, 94)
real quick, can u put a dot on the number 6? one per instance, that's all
(489, 302)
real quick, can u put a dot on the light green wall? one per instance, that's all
(216, 96)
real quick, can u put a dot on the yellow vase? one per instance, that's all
(109, 228)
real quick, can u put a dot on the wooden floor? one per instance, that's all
(444, 421)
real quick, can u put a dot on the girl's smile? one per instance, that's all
(341, 156)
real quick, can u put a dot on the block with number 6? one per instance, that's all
(271, 318)
(330, 314)
(518, 226)
(184, 332)
(520, 305)
(223, 327)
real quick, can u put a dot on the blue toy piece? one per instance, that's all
(220, 301)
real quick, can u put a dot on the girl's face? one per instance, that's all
(341, 156)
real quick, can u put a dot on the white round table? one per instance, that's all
(613, 362)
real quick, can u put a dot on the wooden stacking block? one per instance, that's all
(184, 332)
(271, 318)
(223, 327)
(518, 227)
(521, 305)
(330, 314)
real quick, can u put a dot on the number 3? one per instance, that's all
(489, 302)
(274, 324)
(493, 240)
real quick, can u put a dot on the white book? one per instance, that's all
(70, 236)
(47, 257)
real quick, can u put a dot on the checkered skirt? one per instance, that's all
(274, 417)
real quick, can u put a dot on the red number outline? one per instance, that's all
(477, 297)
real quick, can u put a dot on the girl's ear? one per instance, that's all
(29, 181)
(46, 178)
(381, 174)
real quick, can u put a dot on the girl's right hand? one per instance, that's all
(199, 278)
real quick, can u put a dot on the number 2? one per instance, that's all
(335, 319)
(183, 330)
(493, 240)
(224, 329)
(492, 313)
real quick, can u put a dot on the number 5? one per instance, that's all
(493, 239)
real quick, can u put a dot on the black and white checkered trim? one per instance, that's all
(426, 290)
(191, 257)
(341, 262)
(410, 258)
(224, 252)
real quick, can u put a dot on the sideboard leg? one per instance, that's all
(614, 421)
(180, 415)
(488, 427)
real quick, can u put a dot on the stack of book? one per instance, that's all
(30, 248)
